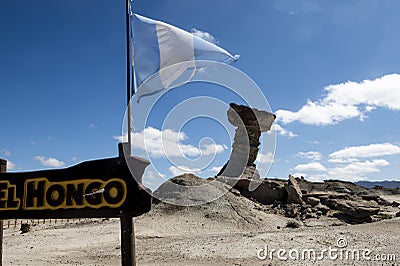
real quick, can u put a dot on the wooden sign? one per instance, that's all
(93, 189)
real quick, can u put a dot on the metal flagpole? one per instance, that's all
(3, 168)
(128, 75)
(128, 255)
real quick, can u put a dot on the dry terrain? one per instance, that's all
(228, 231)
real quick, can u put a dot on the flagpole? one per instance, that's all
(128, 75)
(128, 256)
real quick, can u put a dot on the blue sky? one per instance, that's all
(329, 69)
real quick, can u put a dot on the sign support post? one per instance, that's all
(3, 168)
(128, 254)
(127, 241)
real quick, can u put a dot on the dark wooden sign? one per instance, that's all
(93, 189)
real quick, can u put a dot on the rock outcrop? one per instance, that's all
(296, 197)
(300, 199)
(354, 208)
(266, 191)
(249, 123)
(293, 191)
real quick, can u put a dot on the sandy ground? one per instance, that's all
(230, 231)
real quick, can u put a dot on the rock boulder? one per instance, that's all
(293, 191)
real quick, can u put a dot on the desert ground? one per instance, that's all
(186, 241)
(231, 230)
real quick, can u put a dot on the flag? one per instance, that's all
(165, 56)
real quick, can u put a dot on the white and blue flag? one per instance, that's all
(163, 54)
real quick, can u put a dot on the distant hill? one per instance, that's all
(385, 184)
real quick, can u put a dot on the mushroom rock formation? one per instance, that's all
(249, 123)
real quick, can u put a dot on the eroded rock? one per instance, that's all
(249, 123)
(293, 191)
(265, 191)
(312, 201)
(357, 209)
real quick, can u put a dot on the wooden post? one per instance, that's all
(127, 241)
(3, 168)
(128, 255)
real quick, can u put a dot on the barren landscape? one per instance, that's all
(228, 231)
(230, 132)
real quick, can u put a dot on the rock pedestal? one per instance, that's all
(249, 123)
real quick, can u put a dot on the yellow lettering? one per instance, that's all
(8, 196)
(41, 194)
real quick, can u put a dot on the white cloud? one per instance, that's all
(152, 175)
(319, 113)
(279, 130)
(311, 167)
(216, 169)
(313, 155)
(264, 162)
(49, 162)
(349, 164)
(211, 149)
(6, 152)
(347, 100)
(314, 177)
(351, 171)
(11, 165)
(265, 158)
(147, 183)
(121, 138)
(369, 108)
(382, 92)
(205, 36)
(357, 170)
(372, 150)
(178, 170)
(168, 143)
(343, 160)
